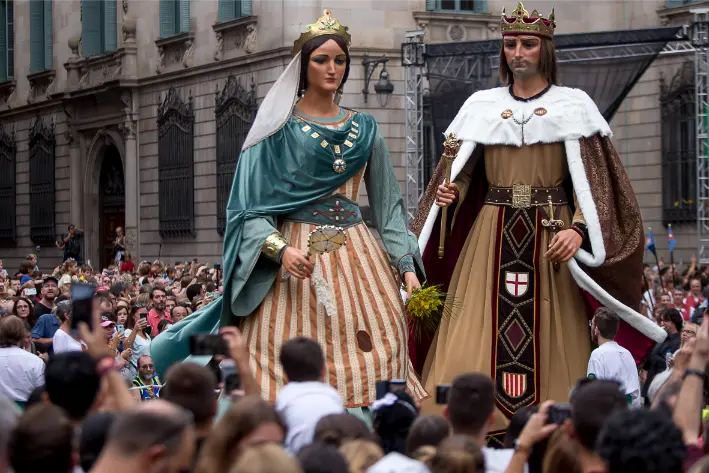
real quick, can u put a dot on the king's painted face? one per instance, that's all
(523, 55)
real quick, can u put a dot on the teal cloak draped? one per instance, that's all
(277, 176)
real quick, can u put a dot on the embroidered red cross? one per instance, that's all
(516, 283)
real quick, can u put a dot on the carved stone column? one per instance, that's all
(132, 197)
(75, 176)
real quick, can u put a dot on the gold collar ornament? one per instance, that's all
(520, 22)
(326, 24)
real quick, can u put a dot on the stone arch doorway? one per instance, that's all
(112, 204)
(104, 195)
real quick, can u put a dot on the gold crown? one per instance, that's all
(522, 23)
(326, 24)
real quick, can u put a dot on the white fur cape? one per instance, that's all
(570, 115)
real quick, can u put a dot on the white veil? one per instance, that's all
(277, 106)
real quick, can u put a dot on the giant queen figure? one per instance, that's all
(544, 228)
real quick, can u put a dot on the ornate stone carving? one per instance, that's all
(41, 85)
(456, 33)
(250, 42)
(219, 51)
(188, 53)
(235, 36)
(125, 6)
(160, 64)
(175, 51)
(8, 91)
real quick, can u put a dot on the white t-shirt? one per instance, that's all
(613, 362)
(20, 373)
(62, 342)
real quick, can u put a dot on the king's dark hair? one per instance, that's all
(311, 46)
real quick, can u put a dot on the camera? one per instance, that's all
(389, 386)
(230, 376)
(558, 413)
(442, 392)
(208, 345)
(217, 266)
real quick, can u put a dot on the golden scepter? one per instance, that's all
(450, 150)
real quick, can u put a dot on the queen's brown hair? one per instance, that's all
(547, 64)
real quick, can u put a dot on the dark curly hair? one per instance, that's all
(641, 440)
(392, 423)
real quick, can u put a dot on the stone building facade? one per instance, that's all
(130, 112)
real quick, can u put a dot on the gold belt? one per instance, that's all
(522, 196)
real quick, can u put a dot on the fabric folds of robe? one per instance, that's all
(621, 225)
(285, 172)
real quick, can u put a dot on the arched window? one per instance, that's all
(235, 109)
(8, 152)
(176, 166)
(41, 146)
(679, 166)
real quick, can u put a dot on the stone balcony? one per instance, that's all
(115, 68)
(446, 27)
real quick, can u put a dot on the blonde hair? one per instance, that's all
(361, 454)
(562, 454)
(267, 458)
(457, 454)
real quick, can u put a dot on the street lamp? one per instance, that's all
(383, 88)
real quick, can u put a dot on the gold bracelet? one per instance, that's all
(273, 246)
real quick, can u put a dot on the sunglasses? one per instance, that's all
(147, 366)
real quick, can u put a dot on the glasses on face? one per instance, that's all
(689, 332)
(147, 366)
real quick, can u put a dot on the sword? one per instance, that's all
(450, 150)
(553, 226)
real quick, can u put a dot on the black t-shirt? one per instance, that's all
(41, 309)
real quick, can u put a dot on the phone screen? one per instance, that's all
(82, 296)
(207, 344)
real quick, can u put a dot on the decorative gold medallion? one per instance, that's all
(306, 128)
(315, 134)
(324, 143)
(355, 123)
(348, 143)
(352, 135)
(506, 114)
(337, 149)
(339, 165)
(541, 111)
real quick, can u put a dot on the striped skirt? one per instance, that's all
(364, 342)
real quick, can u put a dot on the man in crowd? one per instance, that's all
(158, 312)
(71, 243)
(305, 399)
(73, 384)
(49, 292)
(9, 413)
(42, 441)
(591, 404)
(694, 298)
(146, 380)
(610, 360)
(178, 313)
(192, 386)
(20, 371)
(671, 321)
(470, 412)
(157, 437)
(678, 302)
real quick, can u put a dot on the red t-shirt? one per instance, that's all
(127, 266)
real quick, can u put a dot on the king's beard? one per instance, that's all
(525, 72)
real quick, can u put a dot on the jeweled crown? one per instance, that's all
(520, 22)
(326, 24)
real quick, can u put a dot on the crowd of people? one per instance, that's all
(74, 401)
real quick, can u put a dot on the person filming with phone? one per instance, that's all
(146, 381)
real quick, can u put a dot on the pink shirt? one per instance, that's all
(154, 319)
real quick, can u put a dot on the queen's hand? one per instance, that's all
(296, 263)
(563, 246)
(412, 283)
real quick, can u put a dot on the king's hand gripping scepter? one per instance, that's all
(451, 146)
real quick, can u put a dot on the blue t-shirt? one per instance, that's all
(46, 326)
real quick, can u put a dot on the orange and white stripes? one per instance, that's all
(365, 342)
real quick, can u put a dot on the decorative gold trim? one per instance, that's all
(521, 196)
(326, 25)
(273, 246)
